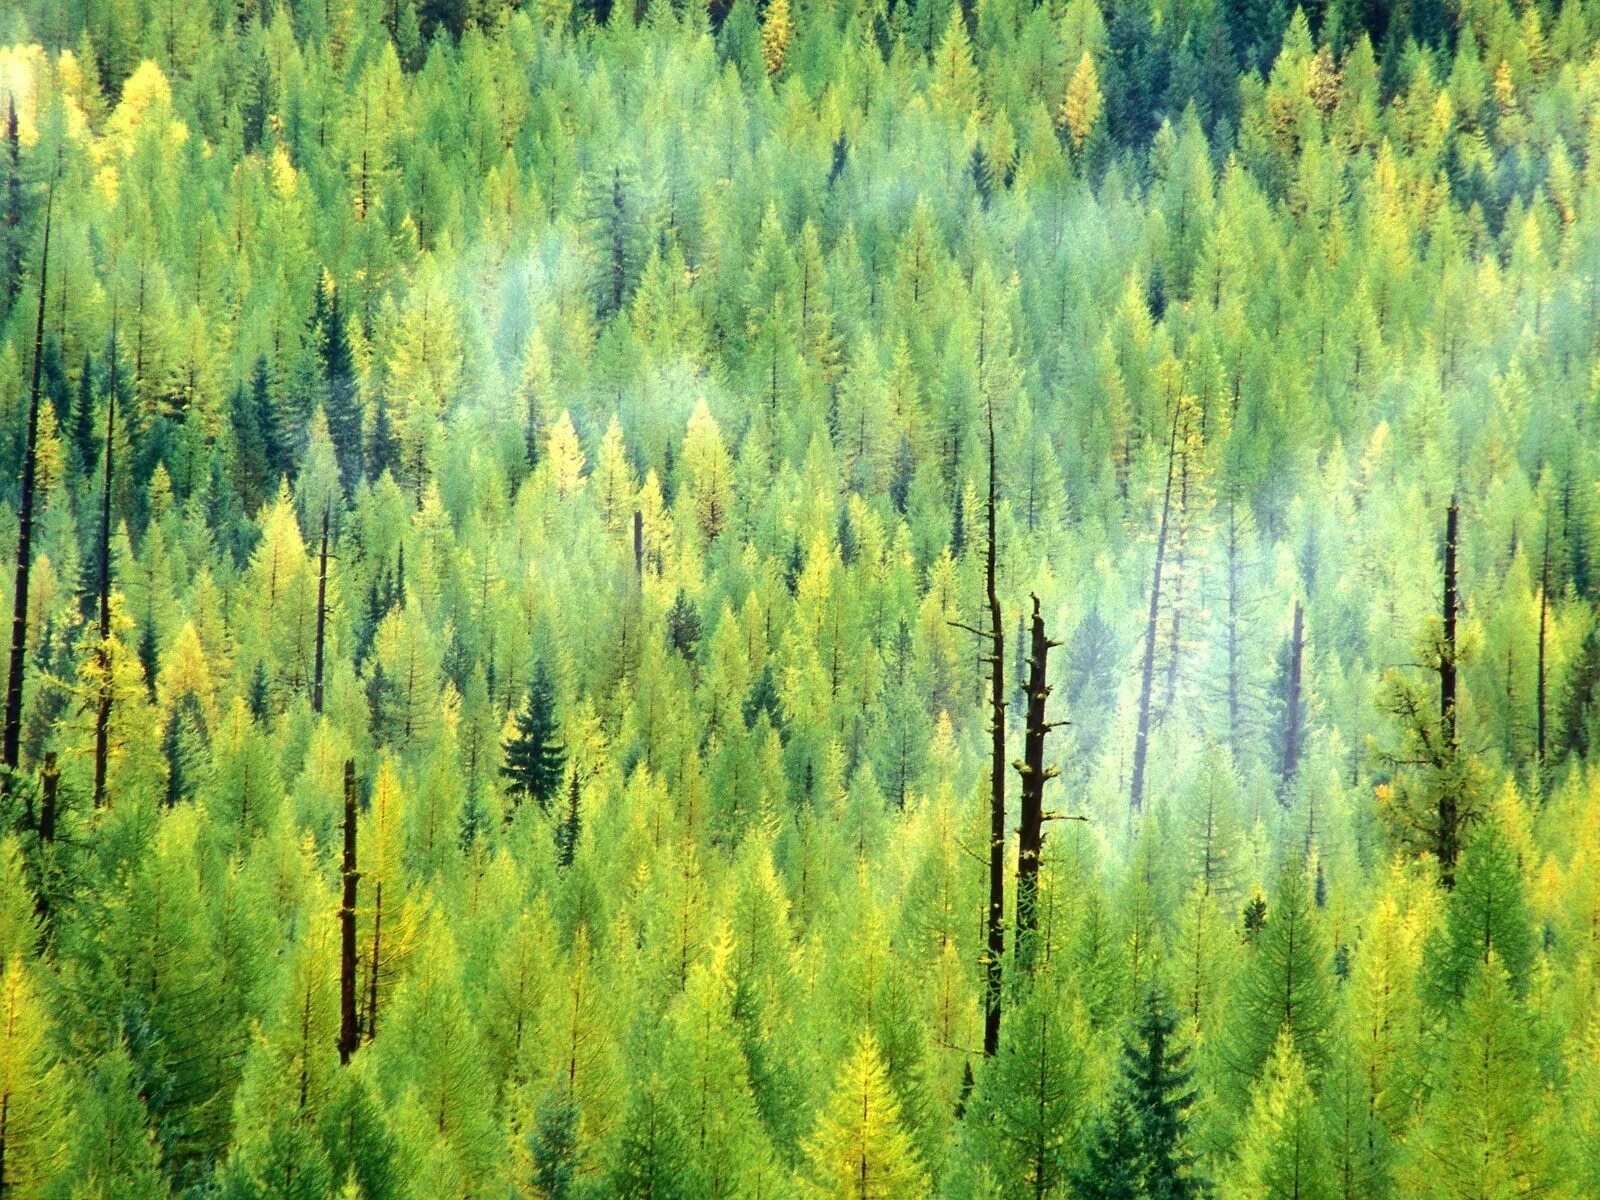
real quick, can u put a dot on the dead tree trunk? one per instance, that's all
(1175, 641)
(102, 716)
(371, 1028)
(11, 741)
(1449, 833)
(1291, 698)
(1141, 739)
(995, 927)
(349, 1034)
(1539, 684)
(50, 798)
(1233, 629)
(322, 617)
(1030, 828)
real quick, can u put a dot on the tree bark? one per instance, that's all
(995, 925)
(1449, 834)
(11, 741)
(102, 717)
(322, 616)
(1233, 629)
(1030, 828)
(1544, 625)
(349, 1034)
(371, 1029)
(1141, 739)
(1291, 699)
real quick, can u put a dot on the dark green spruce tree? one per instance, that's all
(1140, 1146)
(534, 757)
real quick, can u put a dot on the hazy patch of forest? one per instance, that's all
(860, 599)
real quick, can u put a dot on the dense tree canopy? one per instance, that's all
(604, 427)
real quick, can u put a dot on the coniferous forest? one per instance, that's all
(819, 599)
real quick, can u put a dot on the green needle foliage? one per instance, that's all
(521, 524)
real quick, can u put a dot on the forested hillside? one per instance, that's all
(860, 599)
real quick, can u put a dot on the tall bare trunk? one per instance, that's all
(995, 925)
(1233, 629)
(11, 743)
(1030, 827)
(1141, 739)
(1449, 833)
(1291, 699)
(1544, 624)
(102, 716)
(349, 1034)
(322, 616)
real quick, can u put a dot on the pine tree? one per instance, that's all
(776, 30)
(651, 1157)
(859, 1149)
(1285, 985)
(343, 405)
(32, 1120)
(1031, 1103)
(534, 759)
(1487, 914)
(1110, 1168)
(1485, 1133)
(1139, 1146)
(111, 1152)
(1284, 1155)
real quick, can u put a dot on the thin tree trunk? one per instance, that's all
(995, 926)
(1291, 700)
(322, 616)
(1175, 642)
(1141, 739)
(1030, 828)
(11, 743)
(1449, 812)
(1233, 629)
(102, 717)
(1544, 624)
(371, 1029)
(349, 1034)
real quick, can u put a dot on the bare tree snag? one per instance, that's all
(11, 742)
(1030, 828)
(1291, 699)
(1544, 628)
(349, 1034)
(102, 716)
(322, 617)
(995, 932)
(1449, 831)
(1141, 738)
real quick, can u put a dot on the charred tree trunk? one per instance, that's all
(1291, 698)
(49, 819)
(1141, 738)
(370, 1029)
(1175, 642)
(322, 617)
(1030, 828)
(1539, 743)
(995, 926)
(102, 716)
(11, 743)
(1449, 832)
(50, 798)
(1233, 630)
(638, 543)
(349, 1034)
